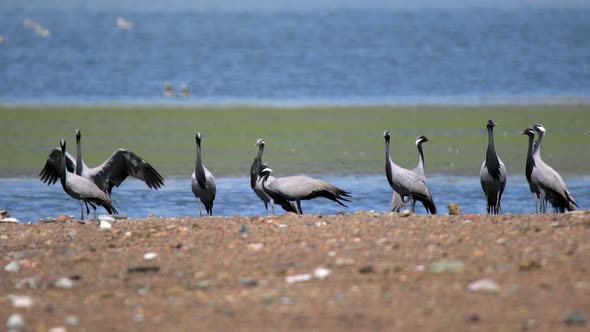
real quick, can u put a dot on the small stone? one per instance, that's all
(420, 268)
(281, 225)
(467, 221)
(344, 261)
(20, 301)
(582, 285)
(405, 213)
(575, 318)
(285, 300)
(484, 285)
(255, 246)
(15, 323)
(105, 224)
(64, 283)
(57, 329)
(243, 230)
(529, 324)
(72, 320)
(473, 318)
(366, 269)
(454, 209)
(249, 282)
(28, 282)
(107, 218)
(150, 255)
(321, 273)
(444, 266)
(203, 284)
(13, 266)
(298, 278)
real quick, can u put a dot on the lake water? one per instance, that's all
(28, 199)
(469, 56)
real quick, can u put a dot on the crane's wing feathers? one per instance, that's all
(121, 164)
(52, 169)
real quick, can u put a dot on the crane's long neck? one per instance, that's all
(492, 161)
(79, 162)
(199, 169)
(537, 150)
(530, 162)
(64, 171)
(388, 162)
(421, 160)
(256, 166)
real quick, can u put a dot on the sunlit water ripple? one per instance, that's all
(28, 199)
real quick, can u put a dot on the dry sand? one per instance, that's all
(381, 272)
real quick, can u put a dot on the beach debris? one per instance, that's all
(184, 90)
(484, 285)
(106, 217)
(13, 266)
(255, 246)
(20, 301)
(298, 278)
(454, 209)
(65, 283)
(105, 224)
(444, 266)
(575, 318)
(150, 256)
(15, 323)
(9, 220)
(248, 282)
(405, 213)
(143, 269)
(321, 273)
(124, 24)
(243, 230)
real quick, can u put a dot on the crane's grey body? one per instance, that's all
(529, 166)
(83, 189)
(492, 174)
(203, 182)
(300, 187)
(551, 186)
(398, 202)
(256, 181)
(406, 182)
(111, 173)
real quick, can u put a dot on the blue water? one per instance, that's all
(28, 199)
(472, 56)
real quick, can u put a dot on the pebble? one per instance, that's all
(13, 266)
(281, 225)
(405, 213)
(321, 273)
(286, 300)
(57, 329)
(582, 285)
(105, 224)
(64, 283)
(454, 209)
(15, 323)
(255, 246)
(20, 301)
(366, 269)
(444, 266)
(529, 324)
(484, 285)
(344, 261)
(72, 320)
(30, 282)
(575, 318)
(150, 255)
(298, 278)
(419, 268)
(243, 230)
(105, 217)
(248, 282)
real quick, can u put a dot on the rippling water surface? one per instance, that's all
(28, 199)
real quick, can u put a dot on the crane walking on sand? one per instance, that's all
(492, 174)
(301, 187)
(406, 182)
(203, 182)
(82, 189)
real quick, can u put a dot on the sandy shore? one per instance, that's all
(364, 271)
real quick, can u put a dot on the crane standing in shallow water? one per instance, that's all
(203, 182)
(492, 174)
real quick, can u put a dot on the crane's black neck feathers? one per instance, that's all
(492, 161)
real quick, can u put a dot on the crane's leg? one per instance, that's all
(299, 207)
(272, 207)
(200, 209)
(82, 209)
(413, 204)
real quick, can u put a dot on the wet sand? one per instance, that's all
(367, 271)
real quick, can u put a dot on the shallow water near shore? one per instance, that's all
(28, 199)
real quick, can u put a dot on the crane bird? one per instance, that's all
(492, 174)
(203, 182)
(530, 164)
(300, 187)
(406, 182)
(81, 188)
(256, 182)
(111, 173)
(397, 202)
(551, 185)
